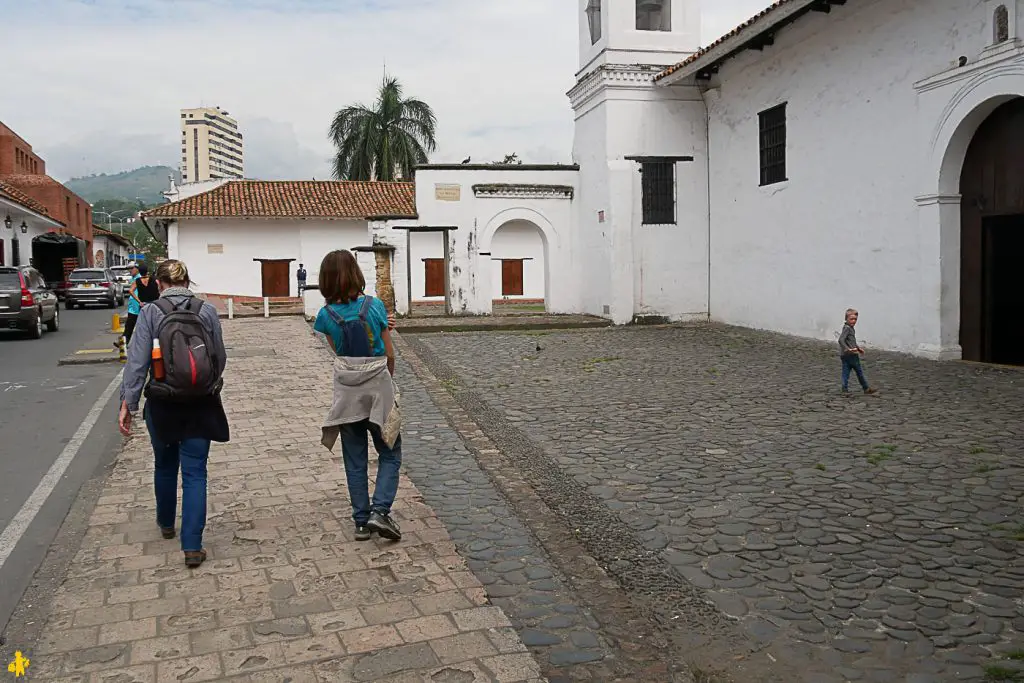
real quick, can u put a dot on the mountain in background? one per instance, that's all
(144, 184)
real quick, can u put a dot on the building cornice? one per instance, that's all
(996, 55)
(612, 76)
(523, 191)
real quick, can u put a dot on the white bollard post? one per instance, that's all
(266, 307)
(231, 309)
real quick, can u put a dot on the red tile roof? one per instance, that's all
(295, 199)
(8, 191)
(728, 36)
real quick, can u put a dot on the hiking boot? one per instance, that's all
(167, 531)
(194, 558)
(385, 526)
(363, 533)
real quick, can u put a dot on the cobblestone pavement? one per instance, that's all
(843, 539)
(287, 594)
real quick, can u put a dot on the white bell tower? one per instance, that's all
(640, 263)
(655, 32)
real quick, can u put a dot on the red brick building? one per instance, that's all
(23, 169)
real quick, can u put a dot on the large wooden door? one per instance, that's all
(512, 277)
(275, 276)
(433, 276)
(992, 197)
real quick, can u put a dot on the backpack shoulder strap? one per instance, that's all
(194, 305)
(164, 305)
(365, 308)
(334, 315)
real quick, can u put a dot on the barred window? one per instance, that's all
(658, 187)
(773, 145)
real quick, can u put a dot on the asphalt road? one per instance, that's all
(42, 410)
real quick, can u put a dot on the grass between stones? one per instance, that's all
(995, 672)
(879, 454)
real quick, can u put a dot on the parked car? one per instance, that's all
(26, 302)
(123, 274)
(92, 286)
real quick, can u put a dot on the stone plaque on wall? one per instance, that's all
(447, 193)
(214, 248)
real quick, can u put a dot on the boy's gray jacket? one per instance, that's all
(363, 390)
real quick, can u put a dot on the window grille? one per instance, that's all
(658, 187)
(773, 145)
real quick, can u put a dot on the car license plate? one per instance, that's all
(86, 286)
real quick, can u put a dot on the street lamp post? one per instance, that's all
(14, 241)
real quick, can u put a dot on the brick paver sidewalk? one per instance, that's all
(287, 594)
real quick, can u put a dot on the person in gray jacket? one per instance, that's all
(181, 431)
(850, 353)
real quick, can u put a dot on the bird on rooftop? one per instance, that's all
(467, 160)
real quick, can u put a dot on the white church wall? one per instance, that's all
(642, 269)
(593, 231)
(518, 240)
(844, 229)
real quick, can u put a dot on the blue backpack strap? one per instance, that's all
(365, 308)
(338, 320)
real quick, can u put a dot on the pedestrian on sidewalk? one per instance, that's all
(357, 328)
(301, 277)
(177, 358)
(850, 353)
(144, 290)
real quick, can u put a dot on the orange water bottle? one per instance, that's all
(158, 361)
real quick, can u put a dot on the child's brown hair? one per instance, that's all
(341, 279)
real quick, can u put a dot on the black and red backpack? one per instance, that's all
(190, 357)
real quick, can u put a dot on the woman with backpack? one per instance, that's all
(177, 359)
(357, 329)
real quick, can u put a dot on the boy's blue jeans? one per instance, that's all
(191, 456)
(851, 361)
(356, 453)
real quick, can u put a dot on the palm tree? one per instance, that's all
(384, 142)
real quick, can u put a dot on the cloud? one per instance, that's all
(103, 93)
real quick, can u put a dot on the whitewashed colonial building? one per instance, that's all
(824, 154)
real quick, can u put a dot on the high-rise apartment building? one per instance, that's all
(211, 146)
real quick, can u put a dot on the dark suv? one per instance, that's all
(26, 302)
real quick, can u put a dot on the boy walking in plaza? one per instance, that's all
(850, 353)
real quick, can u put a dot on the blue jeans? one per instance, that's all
(356, 453)
(191, 455)
(851, 361)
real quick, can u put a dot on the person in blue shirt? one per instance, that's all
(134, 307)
(362, 391)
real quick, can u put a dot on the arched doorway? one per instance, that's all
(519, 272)
(992, 239)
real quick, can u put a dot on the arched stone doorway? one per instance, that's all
(519, 271)
(992, 239)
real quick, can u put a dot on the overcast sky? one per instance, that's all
(96, 85)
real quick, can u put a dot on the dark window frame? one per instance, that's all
(658, 192)
(773, 134)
